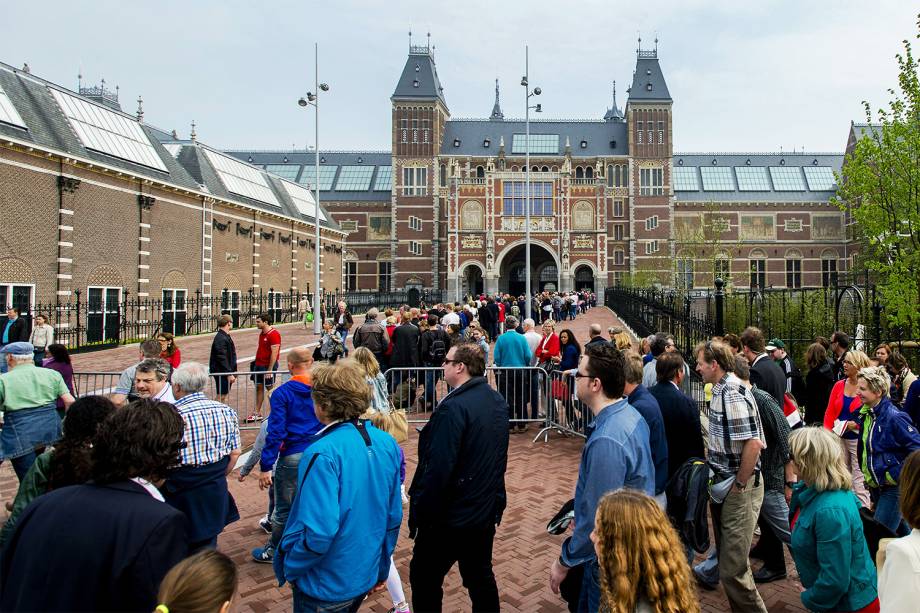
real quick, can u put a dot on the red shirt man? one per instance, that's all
(267, 352)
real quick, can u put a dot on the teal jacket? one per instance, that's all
(830, 550)
(511, 349)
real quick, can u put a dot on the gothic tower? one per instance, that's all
(648, 116)
(419, 114)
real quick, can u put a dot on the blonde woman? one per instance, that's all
(843, 406)
(622, 340)
(642, 564)
(380, 399)
(379, 410)
(827, 544)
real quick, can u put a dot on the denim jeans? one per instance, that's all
(308, 604)
(590, 599)
(888, 512)
(285, 484)
(431, 380)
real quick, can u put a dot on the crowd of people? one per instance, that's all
(126, 495)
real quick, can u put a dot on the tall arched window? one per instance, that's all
(443, 175)
(610, 176)
(480, 172)
(579, 172)
(589, 172)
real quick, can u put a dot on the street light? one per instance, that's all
(525, 81)
(312, 100)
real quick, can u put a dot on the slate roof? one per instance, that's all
(472, 133)
(765, 160)
(48, 128)
(419, 78)
(648, 83)
(192, 156)
(327, 158)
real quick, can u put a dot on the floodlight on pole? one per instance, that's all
(312, 100)
(525, 82)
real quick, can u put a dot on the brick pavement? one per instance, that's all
(541, 476)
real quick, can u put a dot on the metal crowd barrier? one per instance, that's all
(565, 414)
(533, 396)
(241, 395)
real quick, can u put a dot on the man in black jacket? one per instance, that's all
(223, 358)
(765, 374)
(433, 347)
(405, 350)
(487, 315)
(15, 330)
(679, 412)
(372, 335)
(458, 492)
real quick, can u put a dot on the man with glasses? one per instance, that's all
(457, 496)
(616, 455)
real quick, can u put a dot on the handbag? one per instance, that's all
(560, 390)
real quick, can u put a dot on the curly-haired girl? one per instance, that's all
(643, 566)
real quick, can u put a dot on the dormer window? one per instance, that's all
(648, 86)
(415, 83)
(456, 142)
(584, 144)
(486, 143)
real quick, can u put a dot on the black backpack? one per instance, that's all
(437, 350)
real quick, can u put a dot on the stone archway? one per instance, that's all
(583, 276)
(471, 279)
(544, 268)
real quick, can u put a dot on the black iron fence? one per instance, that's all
(797, 316)
(104, 318)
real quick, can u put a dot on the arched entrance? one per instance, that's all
(584, 278)
(544, 272)
(472, 280)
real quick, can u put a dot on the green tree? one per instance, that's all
(880, 189)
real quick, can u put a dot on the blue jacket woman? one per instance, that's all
(887, 436)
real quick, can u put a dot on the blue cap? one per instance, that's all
(20, 348)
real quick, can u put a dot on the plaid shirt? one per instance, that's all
(212, 430)
(733, 420)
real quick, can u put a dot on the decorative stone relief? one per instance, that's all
(276, 263)
(471, 242)
(501, 242)
(583, 241)
(231, 257)
(516, 224)
(793, 225)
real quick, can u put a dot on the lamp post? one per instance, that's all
(312, 99)
(527, 94)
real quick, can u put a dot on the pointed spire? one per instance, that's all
(193, 135)
(140, 108)
(497, 114)
(614, 113)
(410, 39)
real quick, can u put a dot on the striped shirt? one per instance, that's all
(733, 420)
(212, 430)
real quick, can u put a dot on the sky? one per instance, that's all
(745, 76)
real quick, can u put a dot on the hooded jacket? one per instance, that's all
(291, 422)
(886, 437)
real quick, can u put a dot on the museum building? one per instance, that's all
(610, 199)
(94, 208)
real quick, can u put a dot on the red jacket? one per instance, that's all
(501, 312)
(173, 359)
(548, 347)
(835, 405)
